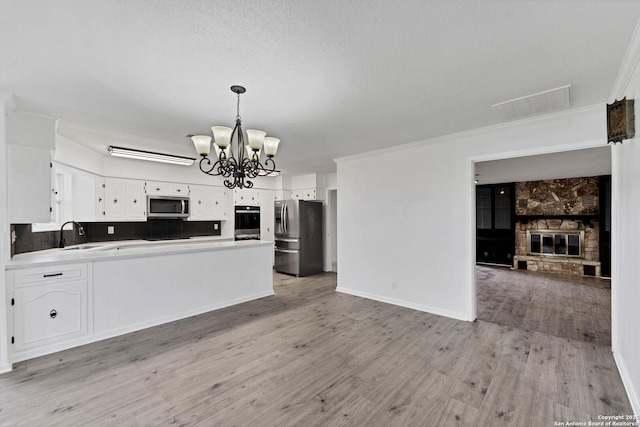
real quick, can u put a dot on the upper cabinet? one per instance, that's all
(30, 141)
(124, 200)
(166, 188)
(305, 194)
(308, 187)
(207, 203)
(246, 197)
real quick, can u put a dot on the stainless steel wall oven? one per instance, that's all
(247, 220)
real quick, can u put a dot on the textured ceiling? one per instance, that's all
(329, 78)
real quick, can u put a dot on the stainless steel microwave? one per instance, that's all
(167, 207)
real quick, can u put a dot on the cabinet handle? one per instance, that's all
(157, 189)
(216, 202)
(99, 199)
(115, 200)
(135, 201)
(52, 275)
(53, 314)
(199, 202)
(178, 190)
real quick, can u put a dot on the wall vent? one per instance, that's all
(557, 99)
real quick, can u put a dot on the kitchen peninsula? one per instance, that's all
(80, 294)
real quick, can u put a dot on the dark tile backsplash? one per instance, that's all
(153, 229)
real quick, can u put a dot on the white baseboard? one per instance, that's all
(406, 304)
(5, 367)
(628, 384)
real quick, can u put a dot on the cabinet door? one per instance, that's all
(29, 184)
(115, 201)
(218, 204)
(124, 200)
(207, 203)
(246, 197)
(304, 194)
(83, 197)
(166, 188)
(135, 206)
(100, 199)
(200, 204)
(267, 215)
(48, 314)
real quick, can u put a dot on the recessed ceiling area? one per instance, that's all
(330, 78)
(566, 164)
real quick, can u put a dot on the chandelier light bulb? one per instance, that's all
(222, 135)
(271, 145)
(202, 144)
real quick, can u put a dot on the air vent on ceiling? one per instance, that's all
(532, 105)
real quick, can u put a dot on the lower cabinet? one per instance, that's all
(49, 313)
(50, 308)
(56, 307)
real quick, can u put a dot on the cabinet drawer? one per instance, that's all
(48, 314)
(44, 275)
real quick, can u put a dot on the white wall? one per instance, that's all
(625, 247)
(6, 105)
(414, 223)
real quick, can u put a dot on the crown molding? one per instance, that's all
(470, 133)
(628, 66)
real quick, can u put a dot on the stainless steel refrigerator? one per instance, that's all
(298, 237)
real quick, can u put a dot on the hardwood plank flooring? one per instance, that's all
(572, 307)
(311, 356)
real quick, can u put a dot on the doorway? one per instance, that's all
(570, 306)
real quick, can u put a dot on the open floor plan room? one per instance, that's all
(311, 356)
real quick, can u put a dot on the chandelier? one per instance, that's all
(243, 164)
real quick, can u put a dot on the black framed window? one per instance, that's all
(484, 214)
(494, 207)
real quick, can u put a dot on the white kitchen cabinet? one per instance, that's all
(166, 188)
(124, 200)
(30, 141)
(306, 194)
(267, 215)
(49, 308)
(29, 184)
(99, 199)
(85, 190)
(246, 197)
(207, 203)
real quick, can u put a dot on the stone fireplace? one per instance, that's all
(557, 228)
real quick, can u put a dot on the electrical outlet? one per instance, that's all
(394, 285)
(111, 229)
(215, 226)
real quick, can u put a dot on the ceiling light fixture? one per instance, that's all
(239, 165)
(131, 153)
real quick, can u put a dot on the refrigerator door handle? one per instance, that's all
(287, 251)
(285, 212)
(282, 239)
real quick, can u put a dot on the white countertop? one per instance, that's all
(103, 251)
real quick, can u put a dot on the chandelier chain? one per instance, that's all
(238, 109)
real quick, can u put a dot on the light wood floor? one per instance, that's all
(309, 356)
(565, 306)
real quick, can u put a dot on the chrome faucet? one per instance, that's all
(80, 232)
